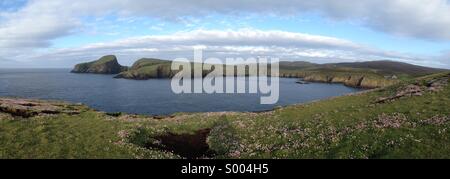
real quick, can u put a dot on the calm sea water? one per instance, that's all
(103, 92)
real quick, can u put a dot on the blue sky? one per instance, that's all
(12, 5)
(43, 33)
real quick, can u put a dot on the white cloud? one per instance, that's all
(243, 37)
(223, 44)
(443, 59)
(41, 21)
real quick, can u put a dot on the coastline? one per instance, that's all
(320, 129)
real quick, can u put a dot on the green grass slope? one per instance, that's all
(372, 74)
(148, 68)
(406, 120)
(391, 68)
(105, 65)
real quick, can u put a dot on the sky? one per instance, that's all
(62, 33)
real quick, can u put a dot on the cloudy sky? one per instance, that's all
(61, 33)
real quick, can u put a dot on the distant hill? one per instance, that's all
(105, 65)
(384, 67)
(390, 67)
(371, 74)
(296, 65)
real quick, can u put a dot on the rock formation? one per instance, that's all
(105, 65)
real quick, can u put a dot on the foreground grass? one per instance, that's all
(89, 135)
(354, 126)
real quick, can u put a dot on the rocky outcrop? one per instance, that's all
(352, 80)
(105, 65)
(26, 108)
(417, 89)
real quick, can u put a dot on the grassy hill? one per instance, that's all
(372, 74)
(407, 120)
(390, 67)
(147, 68)
(105, 65)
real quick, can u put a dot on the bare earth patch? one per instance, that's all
(186, 145)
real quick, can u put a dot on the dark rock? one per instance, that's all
(408, 91)
(302, 82)
(437, 84)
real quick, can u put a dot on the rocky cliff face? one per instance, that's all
(105, 65)
(153, 68)
(352, 80)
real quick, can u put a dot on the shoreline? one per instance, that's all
(165, 116)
